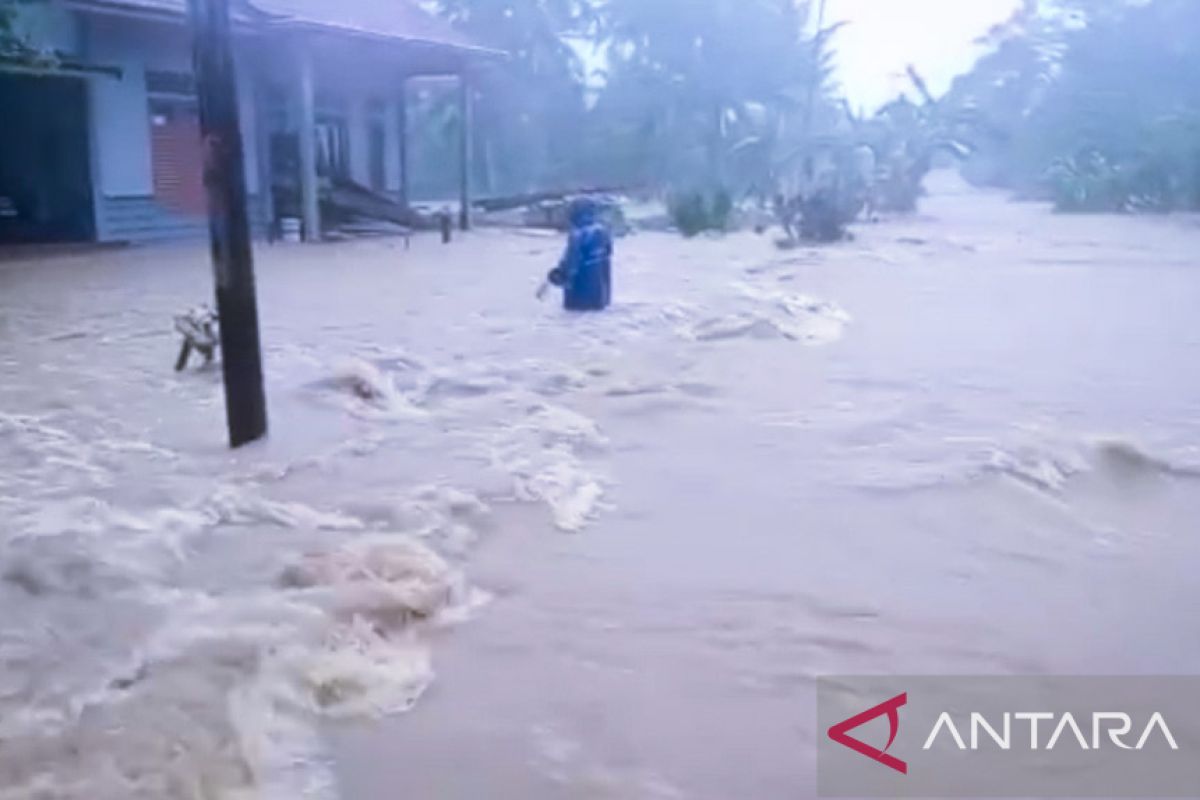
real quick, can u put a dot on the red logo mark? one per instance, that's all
(892, 709)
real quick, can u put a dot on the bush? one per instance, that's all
(696, 211)
(1088, 183)
(824, 218)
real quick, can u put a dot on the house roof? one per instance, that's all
(392, 19)
(399, 20)
(171, 7)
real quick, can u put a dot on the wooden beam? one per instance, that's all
(310, 202)
(466, 149)
(229, 223)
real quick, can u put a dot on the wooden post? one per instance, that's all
(229, 225)
(465, 111)
(310, 201)
(405, 186)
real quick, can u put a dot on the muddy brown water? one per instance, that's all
(965, 443)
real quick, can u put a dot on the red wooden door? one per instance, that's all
(178, 157)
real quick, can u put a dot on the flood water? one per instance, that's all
(491, 550)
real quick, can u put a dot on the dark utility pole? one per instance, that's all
(225, 181)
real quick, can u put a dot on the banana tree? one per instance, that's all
(908, 137)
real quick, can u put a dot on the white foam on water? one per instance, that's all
(742, 325)
(462, 384)
(1042, 469)
(1051, 461)
(371, 393)
(556, 425)
(42, 458)
(774, 315)
(118, 683)
(223, 701)
(241, 505)
(451, 518)
(38, 455)
(545, 454)
(573, 494)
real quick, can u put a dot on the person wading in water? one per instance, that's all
(585, 271)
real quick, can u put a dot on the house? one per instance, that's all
(101, 142)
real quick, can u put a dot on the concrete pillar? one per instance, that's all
(358, 124)
(405, 185)
(309, 189)
(467, 146)
(262, 136)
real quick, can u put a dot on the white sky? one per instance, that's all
(884, 36)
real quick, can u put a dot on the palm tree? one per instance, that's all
(702, 85)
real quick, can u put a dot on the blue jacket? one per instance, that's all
(587, 264)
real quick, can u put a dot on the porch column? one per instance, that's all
(262, 132)
(405, 186)
(467, 115)
(309, 198)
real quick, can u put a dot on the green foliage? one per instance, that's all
(825, 217)
(697, 211)
(15, 44)
(530, 111)
(678, 93)
(1094, 104)
(1088, 182)
(905, 140)
(703, 90)
(10, 41)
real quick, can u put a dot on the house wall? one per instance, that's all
(120, 111)
(356, 90)
(120, 132)
(126, 209)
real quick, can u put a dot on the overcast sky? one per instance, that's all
(883, 36)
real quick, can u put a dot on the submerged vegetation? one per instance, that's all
(697, 211)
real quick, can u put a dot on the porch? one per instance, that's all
(324, 106)
(333, 115)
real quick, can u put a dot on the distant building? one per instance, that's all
(102, 143)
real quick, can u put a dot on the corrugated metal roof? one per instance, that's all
(391, 19)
